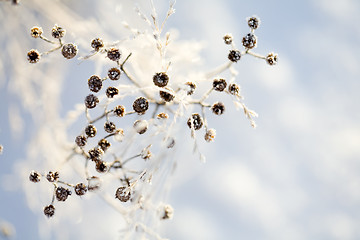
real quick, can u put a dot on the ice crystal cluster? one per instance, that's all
(144, 96)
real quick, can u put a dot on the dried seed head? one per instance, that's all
(140, 105)
(210, 135)
(104, 144)
(219, 84)
(80, 189)
(33, 56)
(192, 87)
(95, 154)
(234, 55)
(272, 58)
(123, 194)
(49, 210)
(195, 121)
(113, 54)
(91, 101)
(97, 43)
(218, 108)
(90, 130)
(249, 41)
(34, 176)
(62, 193)
(146, 153)
(119, 135)
(161, 79)
(69, 50)
(119, 111)
(141, 126)
(111, 92)
(234, 89)
(101, 166)
(167, 96)
(95, 83)
(94, 183)
(58, 32)
(109, 127)
(114, 74)
(228, 38)
(253, 22)
(80, 140)
(52, 176)
(168, 212)
(36, 32)
(162, 116)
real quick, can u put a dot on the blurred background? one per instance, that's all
(294, 177)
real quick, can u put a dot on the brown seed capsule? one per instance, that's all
(234, 55)
(141, 126)
(91, 101)
(166, 95)
(114, 74)
(97, 43)
(162, 116)
(111, 92)
(140, 105)
(113, 54)
(52, 176)
(34, 176)
(101, 166)
(123, 194)
(104, 144)
(192, 87)
(90, 130)
(49, 210)
(253, 22)
(95, 83)
(161, 79)
(168, 212)
(62, 193)
(58, 32)
(109, 127)
(69, 50)
(119, 111)
(95, 154)
(228, 38)
(234, 89)
(36, 32)
(80, 140)
(218, 108)
(272, 58)
(210, 135)
(249, 41)
(33, 56)
(196, 121)
(80, 189)
(219, 84)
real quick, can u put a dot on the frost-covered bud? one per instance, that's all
(34, 176)
(219, 84)
(36, 32)
(49, 210)
(80, 140)
(195, 121)
(249, 41)
(161, 79)
(228, 38)
(113, 54)
(123, 194)
(111, 92)
(114, 74)
(69, 50)
(168, 212)
(109, 127)
(101, 166)
(140, 105)
(104, 144)
(234, 89)
(218, 108)
(62, 194)
(272, 58)
(80, 189)
(90, 130)
(94, 183)
(234, 55)
(97, 43)
(57, 32)
(119, 111)
(210, 135)
(95, 154)
(33, 56)
(141, 126)
(91, 101)
(167, 96)
(95, 83)
(52, 176)
(191, 88)
(253, 22)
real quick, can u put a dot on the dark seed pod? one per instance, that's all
(109, 127)
(33, 56)
(69, 50)
(228, 38)
(196, 121)
(114, 54)
(52, 176)
(234, 55)
(219, 84)
(192, 87)
(249, 41)
(80, 140)
(140, 105)
(168, 212)
(104, 144)
(272, 58)
(80, 189)
(97, 43)
(101, 166)
(91, 101)
(123, 194)
(90, 130)
(95, 83)
(161, 79)
(36, 32)
(34, 176)
(57, 32)
(49, 210)
(119, 111)
(253, 22)
(111, 92)
(218, 108)
(167, 96)
(95, 154)
(62, 193)
(234, 89)
(114, 74)
(141, 126)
